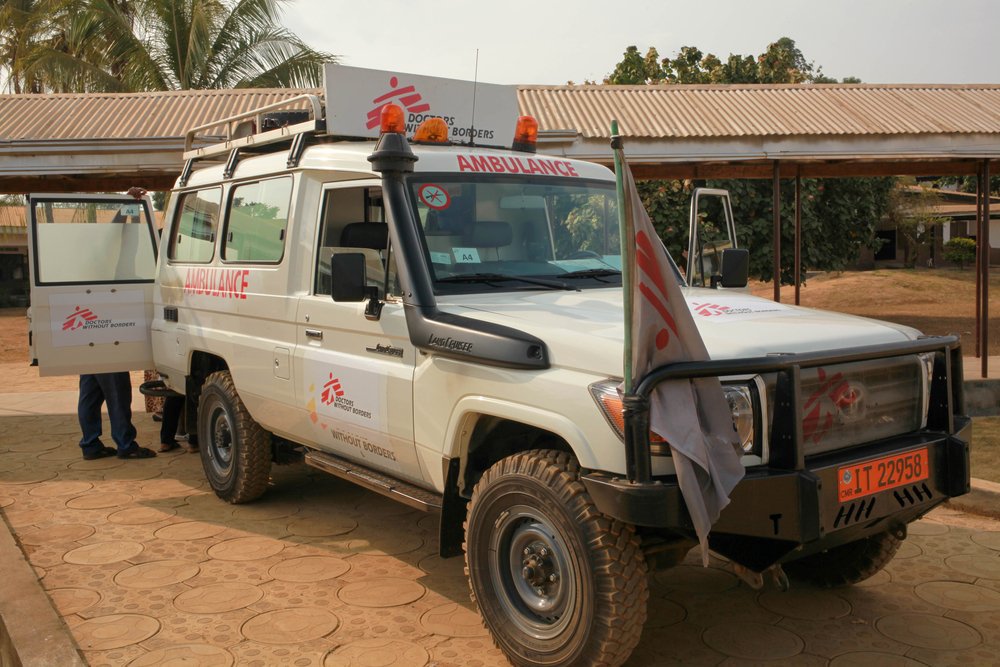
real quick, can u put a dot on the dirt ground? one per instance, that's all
(935, 301)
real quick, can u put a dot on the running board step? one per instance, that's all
(406, 493)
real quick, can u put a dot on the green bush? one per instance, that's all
(960, 251)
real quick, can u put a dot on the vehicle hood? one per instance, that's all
(584, 330)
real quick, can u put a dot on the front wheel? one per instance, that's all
(556, 581)
(847, 564)
(235, 450)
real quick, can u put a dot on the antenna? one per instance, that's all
(475, 85)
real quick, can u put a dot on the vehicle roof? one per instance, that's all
(350, 160)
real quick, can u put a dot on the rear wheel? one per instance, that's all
(556, 581)
(235, 450)
(847, 564)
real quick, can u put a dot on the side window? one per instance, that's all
(193, 237)
(258, 217)
(354, 221)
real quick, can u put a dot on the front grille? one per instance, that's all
(844, 405)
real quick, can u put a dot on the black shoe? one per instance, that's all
(137, 452)
(101, 453)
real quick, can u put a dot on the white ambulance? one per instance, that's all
(438, 317)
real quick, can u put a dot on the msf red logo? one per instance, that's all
(835, 398)
(331, 391)
(78, 318)
(653, 287)
(406, 96)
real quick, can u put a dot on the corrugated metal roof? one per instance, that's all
(68, 117)
(727, 111)
(668, 111)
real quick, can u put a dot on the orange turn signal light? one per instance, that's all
(432, 131)
(391, 120)
(525, 134)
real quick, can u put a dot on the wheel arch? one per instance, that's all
(483, 431)
(201, 365)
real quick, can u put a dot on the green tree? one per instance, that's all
(960, 251)
(635, 69)
(912, 210)
(839, 216)
(136, 45)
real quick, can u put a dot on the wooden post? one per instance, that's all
(979, 254)
(798, 235)
(985, 235)
(776, 204)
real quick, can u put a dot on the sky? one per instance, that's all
(560, 41)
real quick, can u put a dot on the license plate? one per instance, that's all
(863, 479)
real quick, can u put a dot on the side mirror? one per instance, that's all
(735, 268)
(347, 272)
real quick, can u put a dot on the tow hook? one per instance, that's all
(755, 580)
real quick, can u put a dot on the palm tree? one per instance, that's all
(138, 45)
(20, 23)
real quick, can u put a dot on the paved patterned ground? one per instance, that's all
(147, 567)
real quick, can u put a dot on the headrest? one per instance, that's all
(491, 234)
(374, 235)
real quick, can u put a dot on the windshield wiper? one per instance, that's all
(499, 277)
(592, 273)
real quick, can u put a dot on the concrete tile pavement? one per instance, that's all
(139, 563)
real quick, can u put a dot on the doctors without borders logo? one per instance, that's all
(332, 390)
(79, 318)
(84, 319)
(406, 96)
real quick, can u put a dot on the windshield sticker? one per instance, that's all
(466, 255)
(435, 197)
(440, 258)
(495, 164)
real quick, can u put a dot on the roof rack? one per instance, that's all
(240, 129)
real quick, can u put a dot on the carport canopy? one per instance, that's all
(110, 142)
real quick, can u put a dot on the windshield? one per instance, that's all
(518, 232)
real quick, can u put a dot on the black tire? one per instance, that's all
(235, 450)
(556, 581)
(847, 564)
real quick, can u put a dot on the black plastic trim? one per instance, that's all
(431, 330)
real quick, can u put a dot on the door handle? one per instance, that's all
(314, 333)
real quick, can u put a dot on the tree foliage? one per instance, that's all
(960, 250)
(839, 216)
(912, 211)
(138, 45)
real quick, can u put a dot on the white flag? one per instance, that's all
(693, 416)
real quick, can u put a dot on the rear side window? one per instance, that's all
(258, 217)
(193, 238)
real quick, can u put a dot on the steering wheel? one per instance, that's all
(584, 254)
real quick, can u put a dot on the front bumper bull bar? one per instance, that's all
(790, 507)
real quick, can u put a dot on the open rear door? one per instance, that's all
(91, 267)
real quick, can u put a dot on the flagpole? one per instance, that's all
(627, 269)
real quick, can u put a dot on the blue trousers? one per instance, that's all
(115, 389)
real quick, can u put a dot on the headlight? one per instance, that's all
(740, 399)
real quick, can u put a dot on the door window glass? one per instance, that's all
(93, 241)
(258, 217)
(193, 237)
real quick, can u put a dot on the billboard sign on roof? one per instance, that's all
(483, 114)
